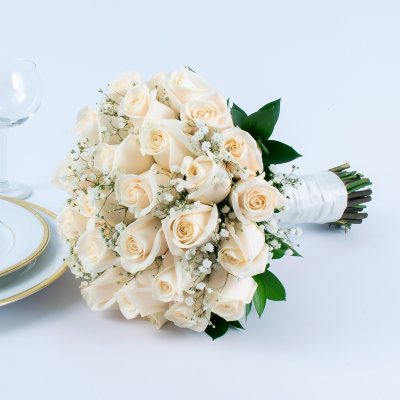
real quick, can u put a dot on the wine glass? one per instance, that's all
(20, 96)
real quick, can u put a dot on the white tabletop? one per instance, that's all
(336, 67)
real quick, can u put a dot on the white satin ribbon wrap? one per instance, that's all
(320, 198)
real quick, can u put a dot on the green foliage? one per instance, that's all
(268, 287)
(220, 326)
(295, 253)
(263, 148)
(261, 125)
(236, 324)
(260, 296)
(275, 289)
(279, 253)
(280, 153)
(275, 107)
(248, 309)
(190, 69)
(238, 115)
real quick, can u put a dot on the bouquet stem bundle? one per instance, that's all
(358, 195)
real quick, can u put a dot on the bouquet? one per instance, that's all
(177, 208)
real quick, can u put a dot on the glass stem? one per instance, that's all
(3, 160)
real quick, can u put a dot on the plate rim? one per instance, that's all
(42, 245)
(51, 278)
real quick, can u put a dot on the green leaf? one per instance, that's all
(264, 155)
(190, 69)
(285, 247)
(218, 328)
(280, 153)
(275, 107)
(260, 296)
(262, 147)
(277, 254)
(236, 324)
(268, 287)
(295, 253)
(238, 115)
(248, 309)
(260, 124)
(274, 288)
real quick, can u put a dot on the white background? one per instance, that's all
(336, 66)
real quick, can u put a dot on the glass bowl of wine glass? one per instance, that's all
(20, 97)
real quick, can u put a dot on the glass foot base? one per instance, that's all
(15, 190)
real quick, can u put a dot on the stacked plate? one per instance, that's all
(31, 252)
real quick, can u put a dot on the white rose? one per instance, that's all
(232, 294)
(166, 142)
(113, 129)
(61, 177)
(185, 316)
(66, 174)
(255, 199)
(87, 125)
(244, 253)
(156, 83)
(118, 89)
(95, 223)
(93, 253)
(172, 279)
(108, 208)
(103, 157)
(85, 205)
(157, 319)
(184, 86)
(135, 103)
(99, 294)
(140, 191)
(206, 181)
(71, 224)
(242, 149)
(128, 158)
(190, 228)
(157, 110)
(136, 297)
(212, 109)
(140, 243)
(139, 104)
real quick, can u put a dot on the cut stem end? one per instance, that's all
(355, 183)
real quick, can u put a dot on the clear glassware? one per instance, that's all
(20, 97)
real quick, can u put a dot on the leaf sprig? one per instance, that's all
(269, 287)
(219, 326)
(261, 125)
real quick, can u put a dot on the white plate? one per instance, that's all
(48, 267)
(24, 234)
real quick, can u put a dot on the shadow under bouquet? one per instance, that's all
(176, 206)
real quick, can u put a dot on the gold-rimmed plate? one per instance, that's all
(48, 267)
(24, 235)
